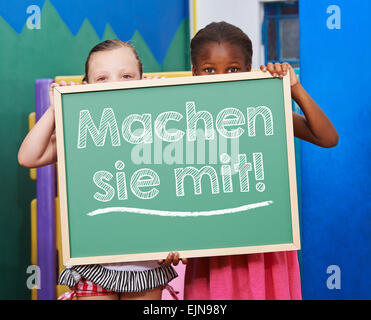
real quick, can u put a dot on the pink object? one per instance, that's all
(85, 288)
(177, 284)
(261, 276)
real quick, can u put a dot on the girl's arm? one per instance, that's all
(314, 126)
(39, 147)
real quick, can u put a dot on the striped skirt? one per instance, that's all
(118, 281)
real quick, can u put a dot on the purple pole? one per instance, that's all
(45, 193)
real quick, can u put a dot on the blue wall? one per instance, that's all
(157, 21)
(336, 196)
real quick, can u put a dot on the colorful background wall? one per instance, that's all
(336, 209)
(59, 45)
(334, 55)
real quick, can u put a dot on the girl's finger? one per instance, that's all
(278, 69)
(52, 86)
(51, 93)
(285, 68)
(160, 261)
(270, 68)
(169, 258)
(263, 68)
(184, 260)
(176, 259)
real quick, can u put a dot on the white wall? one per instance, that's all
(245, 14)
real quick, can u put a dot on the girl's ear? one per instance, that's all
(249, 68)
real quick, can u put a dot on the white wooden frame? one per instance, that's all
(59, 91)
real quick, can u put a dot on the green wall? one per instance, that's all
(24, 57)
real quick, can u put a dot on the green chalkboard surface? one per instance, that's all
(200, 165)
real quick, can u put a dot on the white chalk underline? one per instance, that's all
(180, 213)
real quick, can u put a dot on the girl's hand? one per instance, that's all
(280, 70)
(172, 258)
(313, 126)
(51, 90)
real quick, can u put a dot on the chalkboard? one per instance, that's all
(200, 165)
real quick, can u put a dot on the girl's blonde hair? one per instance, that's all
(110, 45)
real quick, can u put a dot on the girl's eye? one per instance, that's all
(209, 70)
(233, 69)
(101, 79)
(126, 76)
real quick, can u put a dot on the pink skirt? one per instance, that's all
(260, 276)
